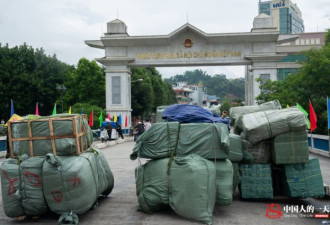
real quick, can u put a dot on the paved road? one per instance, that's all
(120, 206)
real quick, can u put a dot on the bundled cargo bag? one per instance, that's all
(290, 148)
(192, 188)
(256, 181)
(205, 139)
(72, 183)
(21, 185)
(152, 185)
(303, 179)
(236, 176)
(10, 184)
(187, 184)
(260, 151)
(224, 180)
(264, 125)
(105, 176)
(236, 112)
(60, 135)
(235, 148)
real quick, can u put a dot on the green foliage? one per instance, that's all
(28, 76)
(225, 106)
(3, 130)
(327, 38)
(217, 85)
(85, 84)
(310, 83)
(149, 93)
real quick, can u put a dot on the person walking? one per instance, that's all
(108, 127)
(139, 130)
(120, 132)
(147, 125)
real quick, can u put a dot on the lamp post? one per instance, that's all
(138, 80)
(62, 89)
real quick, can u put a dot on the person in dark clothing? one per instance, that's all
(108, 127)
(119, 130)
(139, 130)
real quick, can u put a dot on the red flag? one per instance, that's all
(109, 117)
(37, 109)
(312, 117)
(126, 121)
(91, 119)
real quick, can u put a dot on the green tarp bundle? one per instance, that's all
(21, 185)
(73, 183)
(63, 135)
(290, 148)
(256, 181)
(204, 139)
(260, 151)
(235, 148)
(235, 112)
(159, 111)
(264, 125)
(151, 185)
(190, 196)
(224, 182)
(236, 176)
(304, 179)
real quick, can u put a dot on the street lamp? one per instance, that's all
(62, 89)
(138, 80)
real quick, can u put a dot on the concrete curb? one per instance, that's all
(110, 143)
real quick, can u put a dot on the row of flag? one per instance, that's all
(91, 123)
(115, 119)
(311, 121)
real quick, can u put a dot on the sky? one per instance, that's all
(61, 26)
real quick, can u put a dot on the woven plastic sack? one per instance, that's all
(235, 112)
(152, 186)
(290, 148)
(236, 176)
(256, 181)
(304, 179)
(235, 148)
(189, 187)
(224, 182)
(260, 151)
(207, 140)
(192, 188)
(264, 125)
(22, 180)
(65, 135)
(105, 176)
(9, 186)
(159, 111)
(70, 182)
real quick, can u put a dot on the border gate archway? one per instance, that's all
(187, 46)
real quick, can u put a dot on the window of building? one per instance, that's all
(297, 42)
(284, 72)
(264, 8)
(317, 40)
(302, 41)
(116, 90)
(307, 41)
(313, 41)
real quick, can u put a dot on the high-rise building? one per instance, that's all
(286, 15)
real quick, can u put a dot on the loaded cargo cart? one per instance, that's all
(60, 135)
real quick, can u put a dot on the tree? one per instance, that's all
(86, 84)
(28, 76)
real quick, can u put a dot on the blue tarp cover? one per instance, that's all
(113, 124)
(184, 113)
